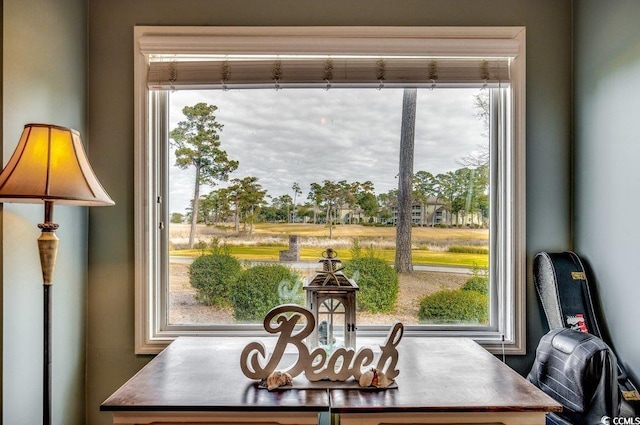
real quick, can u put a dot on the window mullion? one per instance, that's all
(161, 205)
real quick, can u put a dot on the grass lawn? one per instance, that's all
(269, 239)
(342, 231)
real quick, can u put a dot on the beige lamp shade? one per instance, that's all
(49, 164)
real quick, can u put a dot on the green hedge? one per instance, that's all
(378, 283)
(456, 306)
(212, 275)
(468, 249)
(259, 289)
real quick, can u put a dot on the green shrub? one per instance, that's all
(261, 288)
(201, 246)
(212, 275)
(477, 283)
(378, 282)
(454, 307)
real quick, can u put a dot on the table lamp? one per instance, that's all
(50, 166)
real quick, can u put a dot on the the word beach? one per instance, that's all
(342, 364)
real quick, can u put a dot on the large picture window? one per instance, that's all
(259, 148)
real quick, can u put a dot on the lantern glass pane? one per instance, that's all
(331, 324)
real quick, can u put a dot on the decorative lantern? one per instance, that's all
(331, 297)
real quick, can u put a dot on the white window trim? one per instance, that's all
(510, 264)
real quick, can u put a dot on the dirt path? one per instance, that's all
(184, 309)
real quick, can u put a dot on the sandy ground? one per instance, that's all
(184, 309)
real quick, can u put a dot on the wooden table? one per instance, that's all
(442, 380)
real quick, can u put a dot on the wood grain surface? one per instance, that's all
(203, 374)
(447, 375)
(436, 375)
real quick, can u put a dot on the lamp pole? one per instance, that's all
(48, 248)
(46, 374)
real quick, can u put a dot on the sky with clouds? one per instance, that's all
(311, 135)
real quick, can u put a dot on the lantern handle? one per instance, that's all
(329, 253)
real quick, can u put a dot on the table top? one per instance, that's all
(436, 375)
(203, 374)
(448, 375)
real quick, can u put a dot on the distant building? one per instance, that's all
(433, 213)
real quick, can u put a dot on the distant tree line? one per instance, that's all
(461, 193)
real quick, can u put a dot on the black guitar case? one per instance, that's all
(566, 296)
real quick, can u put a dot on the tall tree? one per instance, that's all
(215, 205)
(368, 203)
(405, 182)
(366, 199)
(197, 144)
(247, 196)
(446, 183)
(387, 202)
(423, 189)
(332, 193)
(348, 193)
(315, 195)
(286, 202)
(453, 186)
(329, 195)
(296, 191)
(253, 199)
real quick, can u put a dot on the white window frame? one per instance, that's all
(508, 254)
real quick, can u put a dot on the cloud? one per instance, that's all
(311, 135)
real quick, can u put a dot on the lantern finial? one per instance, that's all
(331, 273)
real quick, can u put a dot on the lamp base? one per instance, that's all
(48, 243)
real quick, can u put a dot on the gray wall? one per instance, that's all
(607, 157)
(110, 357)
(44, 80)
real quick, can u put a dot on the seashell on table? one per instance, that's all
(374, 378)
(278, 379)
